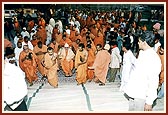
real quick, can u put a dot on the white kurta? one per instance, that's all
(17, 53)
(25, 33)
(14, 85)
(29, 45)
(49, 30)
(144, 79)
(128, 65)
(115, 58)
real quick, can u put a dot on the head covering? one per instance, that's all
(107, 47)
(66, 45)
(24, 28)
(157, 26)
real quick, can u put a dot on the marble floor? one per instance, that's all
(72, 98)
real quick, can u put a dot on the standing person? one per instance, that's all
(90, 61)
(15, 88)
(25, 33)
(157, 42)
(50, 64)
(28, 64)
(40, 50)
(34, 40)
(64, 40)
(66, 57)
(141, 90)
(60, 26)
(49, 30)
(160, 52)
(101, 64)
(27, 42)
(115, 61)
(128, 64)
(17, 51)
(72, 34)
(54, 44)
(10, 55)
(16, 38)
(80, 64)
(41, 34)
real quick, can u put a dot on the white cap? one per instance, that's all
(24, 28)
(66, 45)
(107, 47)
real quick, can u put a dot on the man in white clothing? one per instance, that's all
(60, 26)
(141, 89)
(16, 38)
(52, 22)
(49, 30)
(27, 42)
(115, 61)
(128, 64)
(14, 88)
(10, 55)
(25, 33)
(33, 32)
(17, 51)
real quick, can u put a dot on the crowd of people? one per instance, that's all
(98, 45)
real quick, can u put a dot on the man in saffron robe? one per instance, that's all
(72, 34)
(101, 64)
(75, 45)
(58, 36)
(41, 34)
(28, 64)
(80, 64)
(78, 36)
(54, 45)
(99, 39)
(90, 61)
(50, 64)
(66, 56)
(55, 31)
(34, 40)
(65, 40)
(40, 49)
(94, 30)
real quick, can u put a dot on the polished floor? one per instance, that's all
(72, 98)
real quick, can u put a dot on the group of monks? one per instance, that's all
(67, 50)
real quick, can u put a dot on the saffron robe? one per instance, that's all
(50, 63)
(101, 65)
(90, 61)
(81, 69)
(29, 66)
(66, 60)
(40, 52)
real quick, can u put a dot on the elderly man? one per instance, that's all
(66, 57)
